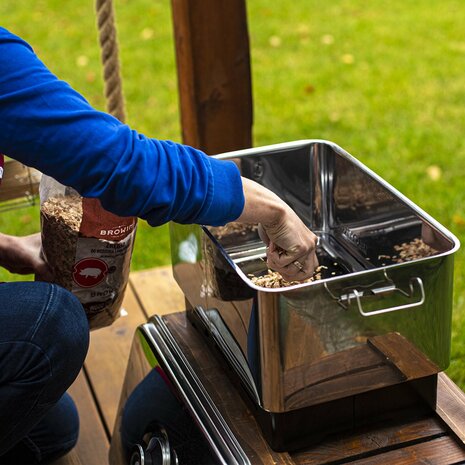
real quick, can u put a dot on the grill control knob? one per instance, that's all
(156, 452)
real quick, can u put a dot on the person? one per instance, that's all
(44, 336)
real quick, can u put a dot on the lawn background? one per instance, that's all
(385, 80)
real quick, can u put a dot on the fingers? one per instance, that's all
(295, 265)
(302, 250)
(298, 270)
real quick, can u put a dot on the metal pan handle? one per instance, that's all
(345, 300)
(396, 308)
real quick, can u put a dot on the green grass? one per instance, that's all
(385, 80)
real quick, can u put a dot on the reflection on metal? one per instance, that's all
(211, 322)
(157, 450)
(154, 348)
(304, 342)
(218, 434)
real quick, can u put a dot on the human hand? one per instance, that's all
(290, 244)
(291, 247)
(21, 255)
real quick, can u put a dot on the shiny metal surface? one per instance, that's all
(225, 446)
(154, 348)
(158, 451)
(287, 334)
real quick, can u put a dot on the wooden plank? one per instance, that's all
(384, 361)
(303, 343)
(371, 440)
(441, 451)
(108, 356)
(270, 357)
(213, 63)
(345, 373)
(399, 351)
(226, 398)
(71, 458)
(341, 387)
(92, 446)
(451, 405)
(157, 291)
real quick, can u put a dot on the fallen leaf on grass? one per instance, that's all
(275, 41)
(90, 77)
(146, 33)
(327, 39)
(309, 89)
(82, 61)
(347, 58)
(434, 172)
(303, 31)
(458, 220)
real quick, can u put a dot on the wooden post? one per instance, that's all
(213, 63)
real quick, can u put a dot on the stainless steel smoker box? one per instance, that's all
(366, 339)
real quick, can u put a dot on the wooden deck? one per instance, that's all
(97, 389)
(436, 440)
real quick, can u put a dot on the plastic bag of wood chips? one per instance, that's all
(88, 249)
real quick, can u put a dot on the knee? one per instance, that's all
(63, 332)
(67, 320)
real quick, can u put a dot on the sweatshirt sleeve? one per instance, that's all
(45, 124)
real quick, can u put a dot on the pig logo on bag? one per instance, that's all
(89, 272)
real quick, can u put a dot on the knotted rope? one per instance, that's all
(110, 58)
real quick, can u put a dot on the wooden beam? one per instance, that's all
(213, 63)
(451, 405)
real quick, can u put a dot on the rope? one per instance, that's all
(110, 60)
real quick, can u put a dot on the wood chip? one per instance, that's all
(412, 251)
(408, 251)
(234, 228)
(60, 220)
(273, 279)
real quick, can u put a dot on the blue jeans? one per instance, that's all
(44, 336)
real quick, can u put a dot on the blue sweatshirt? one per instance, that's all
(45, 124)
